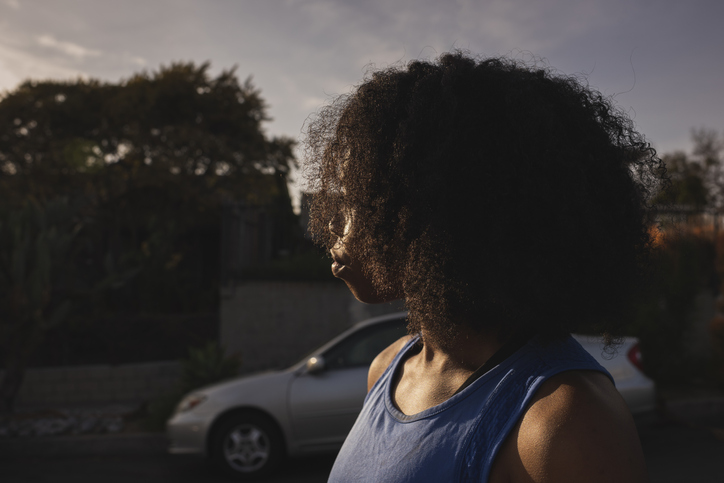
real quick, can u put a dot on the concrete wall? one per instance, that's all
(97, 383)
(272, 325)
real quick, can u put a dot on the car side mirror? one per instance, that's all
(315, 365)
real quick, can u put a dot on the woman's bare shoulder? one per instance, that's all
(577, 428)
(383, 359)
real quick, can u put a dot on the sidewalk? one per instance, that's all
(79, 429)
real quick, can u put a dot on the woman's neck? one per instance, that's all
(467, 350)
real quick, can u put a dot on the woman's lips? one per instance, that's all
(339, 264)
(337, 268)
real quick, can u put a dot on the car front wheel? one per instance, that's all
(247, 446)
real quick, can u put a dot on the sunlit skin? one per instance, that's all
(349, 268)
(577, 428)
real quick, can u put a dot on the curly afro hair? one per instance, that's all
(493, 194)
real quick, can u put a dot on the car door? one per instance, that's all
(324, 405)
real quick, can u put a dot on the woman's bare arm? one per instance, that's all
(577, 429)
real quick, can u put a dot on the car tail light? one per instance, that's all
(634, 355)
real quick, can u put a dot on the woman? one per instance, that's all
(507, 206)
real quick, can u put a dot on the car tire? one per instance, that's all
(247, 446)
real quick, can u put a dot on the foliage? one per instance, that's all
(688, 183)
(36, 246)
(160, 410)
(146, 130)
(207, 365)
(697, 180)
(125, 338)
(204, 366)
(687, 261)
(144, 166)
(152, 158)
(683, 267)
(42, 245)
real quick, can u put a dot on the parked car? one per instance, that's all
(248, 425)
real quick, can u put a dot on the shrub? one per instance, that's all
(203, 366)
(207, 365)
(683, 267)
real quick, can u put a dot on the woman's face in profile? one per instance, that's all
(347, 264)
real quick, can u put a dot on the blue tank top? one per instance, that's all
(457, 440)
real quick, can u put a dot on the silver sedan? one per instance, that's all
(248, 425)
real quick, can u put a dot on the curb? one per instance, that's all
(108, 444)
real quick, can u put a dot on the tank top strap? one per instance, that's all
(379, 387)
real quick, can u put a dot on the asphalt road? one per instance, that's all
(156, 468)
(675, 453)
(683, 453)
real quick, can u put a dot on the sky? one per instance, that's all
(661, 60)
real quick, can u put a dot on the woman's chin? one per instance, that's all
(361, 286)
(368, 295)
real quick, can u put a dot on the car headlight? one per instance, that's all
(189, 402)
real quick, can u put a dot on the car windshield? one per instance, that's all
(361, 347)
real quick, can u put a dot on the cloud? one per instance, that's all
(68, 48)
(43, 57)
(313, 102)
(134, 59)
(17, 66)
(8, 79)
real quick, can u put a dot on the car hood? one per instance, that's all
(253, 390)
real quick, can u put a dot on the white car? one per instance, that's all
(248, 425)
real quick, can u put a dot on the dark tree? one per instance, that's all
(688, 188)
(153, 157)
(36, 244)
(144, 165)
(697, 179)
